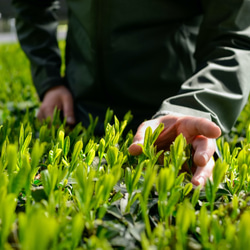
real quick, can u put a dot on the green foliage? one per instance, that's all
(65, 188)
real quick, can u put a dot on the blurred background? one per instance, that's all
(7, 21)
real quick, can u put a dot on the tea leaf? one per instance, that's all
(77, 148)
(21, 136)
(7, 214)
(136, 176)
(112, 155)
(165, 182)
(90, 157)
(177, 152)
(26, 142)
(184, 219)
(128, 180)
(36, 154)
(157, 132)
(172, 201)
(149, 179)
(61, 139)
(244, 233)
(21, 177)
(108, 117)
(195, 196)
(218, 172)
(242, 175)
(66, 147)
(209, 189)
(31, 234)
(187, 189)
(46, 181)
(77, 229)
(179, 179)
(12, 158)
(147, 138)
(204, 221)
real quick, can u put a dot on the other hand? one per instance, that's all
(61, 98)
(199, 132)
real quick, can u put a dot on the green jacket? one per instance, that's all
(148, 56)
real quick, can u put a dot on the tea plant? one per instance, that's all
(64, 188)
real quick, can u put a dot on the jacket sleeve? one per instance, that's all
(36, 26)
(220, 87)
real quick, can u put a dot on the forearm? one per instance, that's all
(216, 92)
(220, 87)
(36, 26)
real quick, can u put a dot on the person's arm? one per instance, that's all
(216, 93)
(36, 25)
(220, 87)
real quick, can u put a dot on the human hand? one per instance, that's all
(61, 98)
(199, 132)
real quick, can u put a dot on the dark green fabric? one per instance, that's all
(148, 56)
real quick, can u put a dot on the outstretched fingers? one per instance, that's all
(204, 149)
(193, 126)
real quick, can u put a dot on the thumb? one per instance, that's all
(68, 109)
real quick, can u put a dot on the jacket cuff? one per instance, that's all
(48, 84)
(167, 108)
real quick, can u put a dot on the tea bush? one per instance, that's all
(63, 188)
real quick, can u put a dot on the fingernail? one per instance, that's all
(206, 157)
(135, 142)
(138, 142)
(202, 181)
(70, 120)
